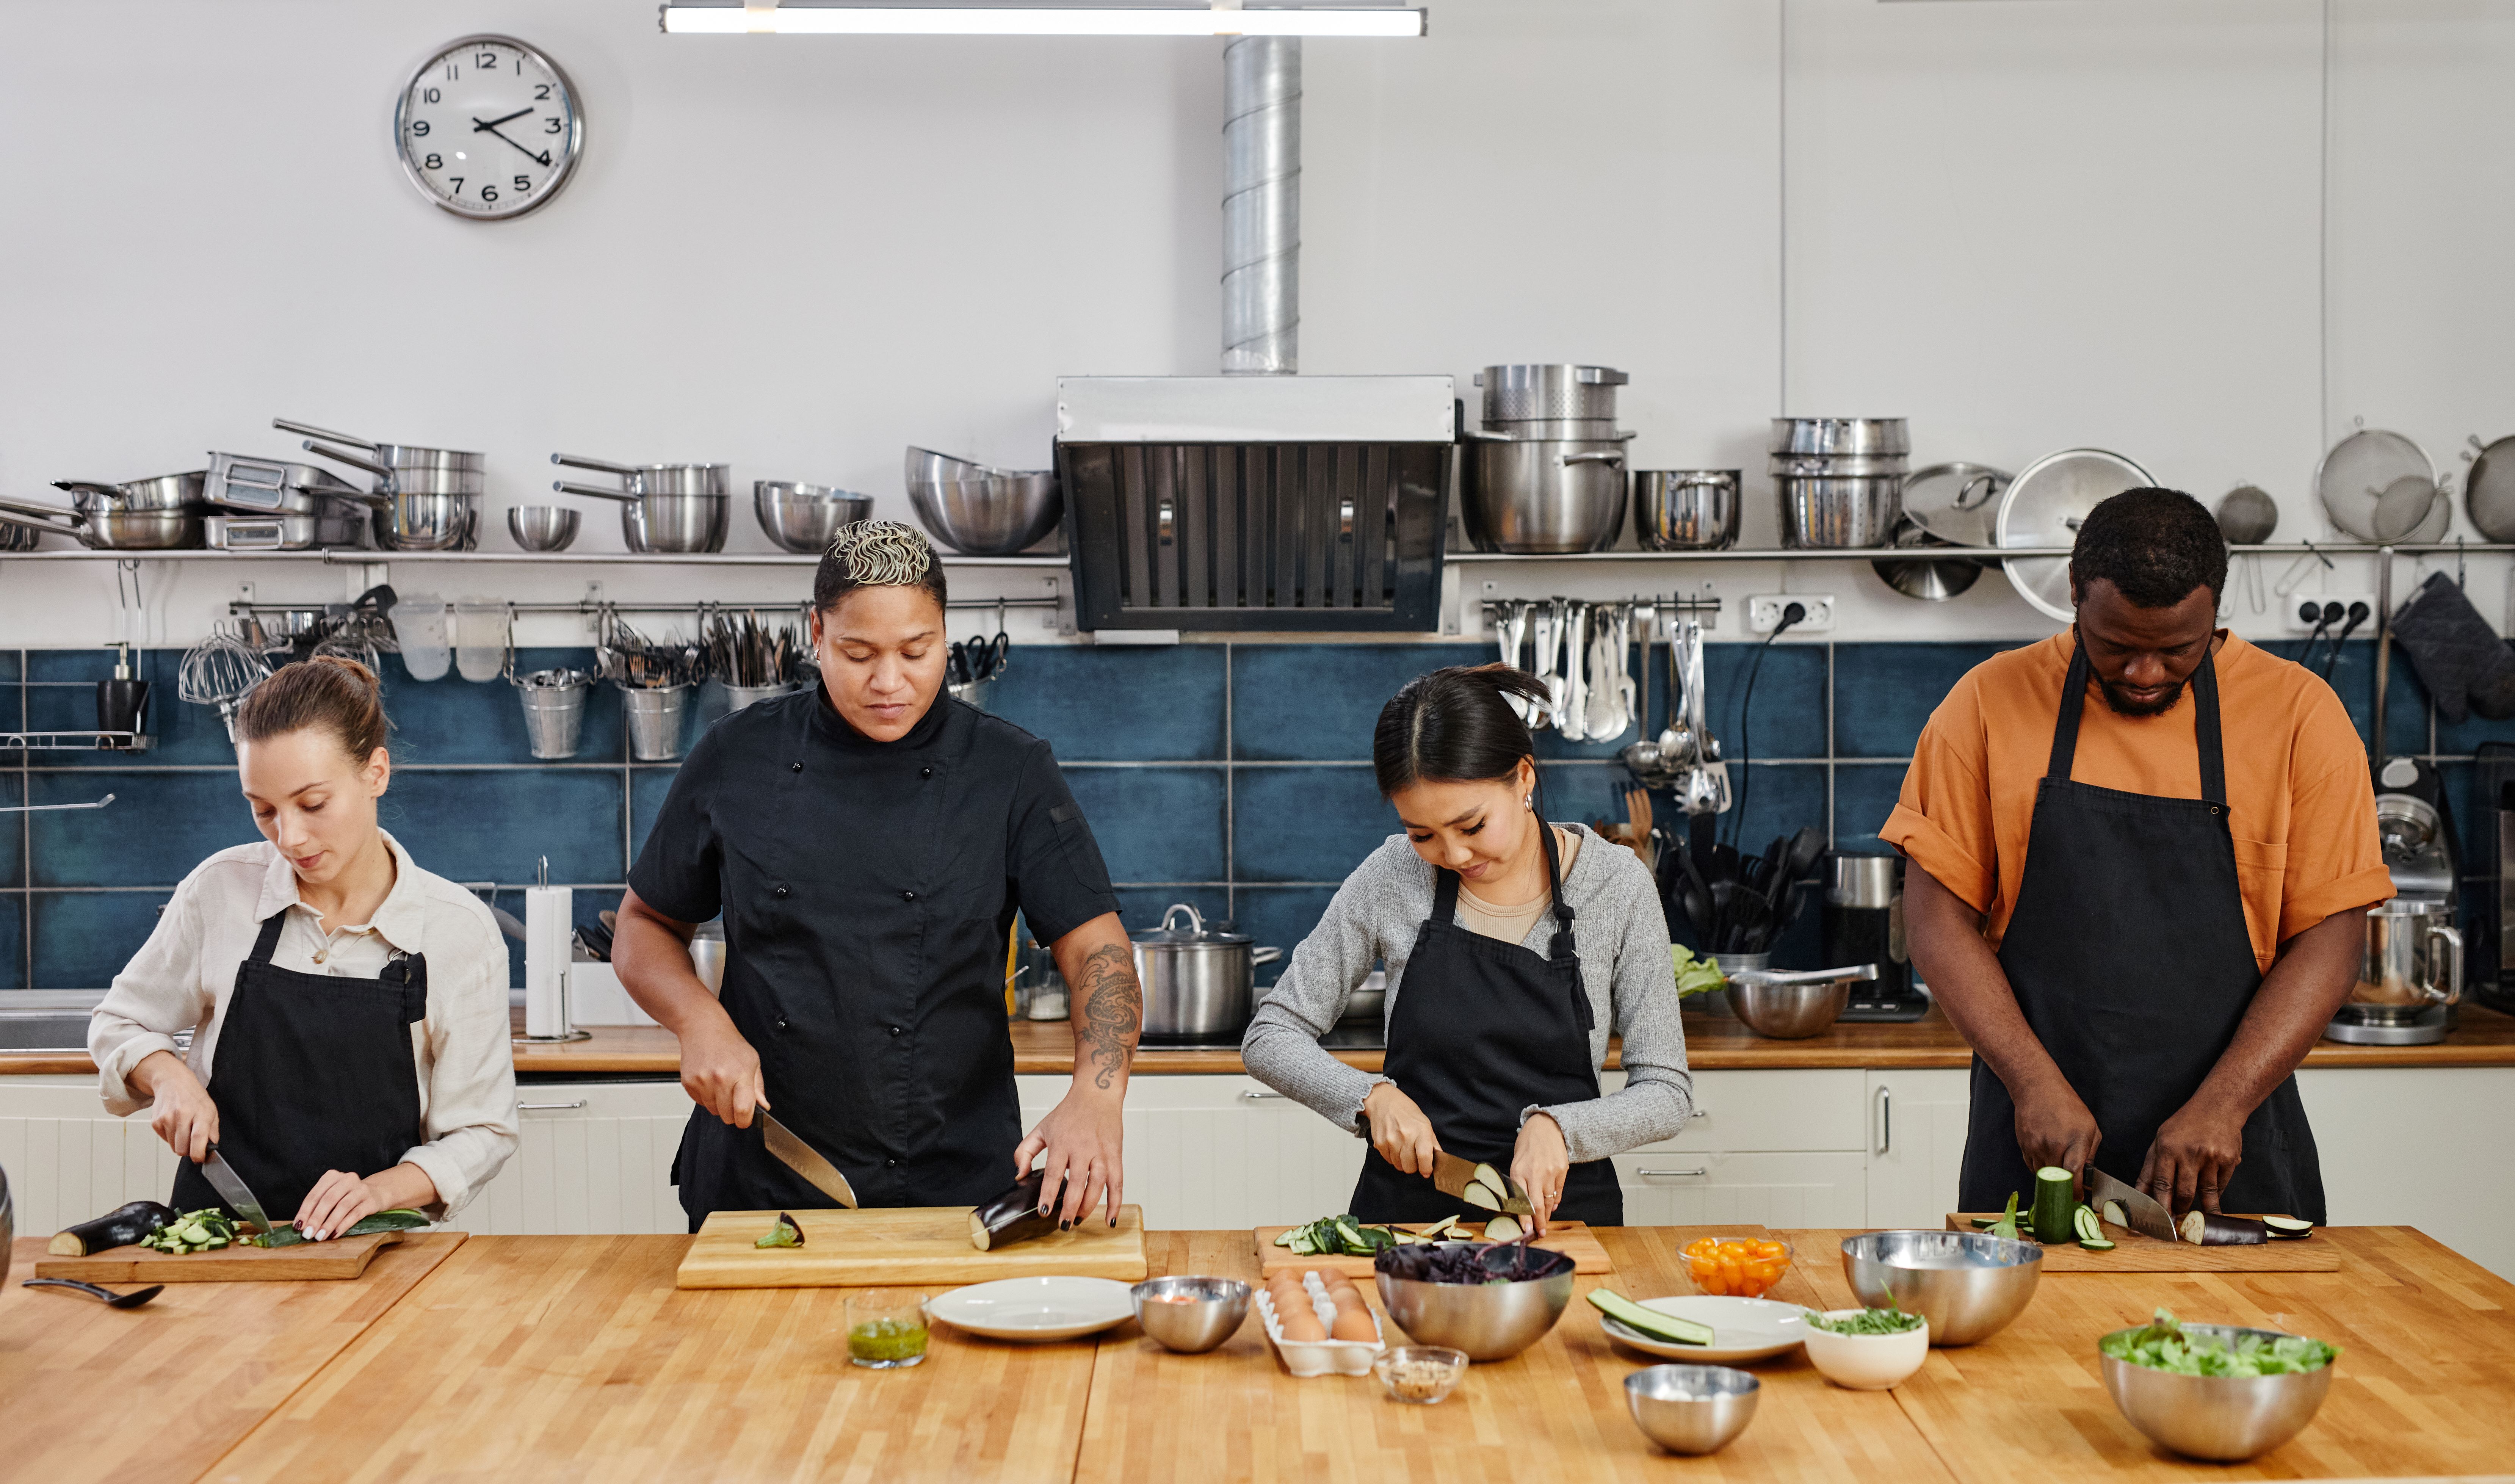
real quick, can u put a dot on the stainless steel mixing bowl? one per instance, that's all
(1792, 1004)
(978, 510)
(1190, 1315)
(1691, 1409)
(801, 518)
(1490, 1321)
(1968, 1285)
(2220, 1418)
(542, 527)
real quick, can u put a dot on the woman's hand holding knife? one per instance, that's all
(1399, 1130)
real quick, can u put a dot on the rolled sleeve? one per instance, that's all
(1942, 819)
(1059, 881)
(2336, 858)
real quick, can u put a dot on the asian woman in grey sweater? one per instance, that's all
(1512, 947)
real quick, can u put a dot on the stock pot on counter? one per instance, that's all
(1199, 981)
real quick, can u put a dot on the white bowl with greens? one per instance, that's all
(2215, 1392)
(1866, 1349)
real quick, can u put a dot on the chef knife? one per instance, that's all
(1452, 1176)
(2146, 1216)
(232, 1189)
(808, 1162)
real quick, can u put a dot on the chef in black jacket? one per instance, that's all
(869, 841)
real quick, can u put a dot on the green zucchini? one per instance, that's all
(2054, 1207)
(1651, 1322)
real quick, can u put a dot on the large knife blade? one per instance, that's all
(806, 1161)
(2139, 1209)
(1452, 1176)
(232, 1189)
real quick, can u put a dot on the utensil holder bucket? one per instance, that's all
(554, 717)
(738, 696)
(655, 722)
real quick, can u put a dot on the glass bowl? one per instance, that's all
(1419, 1374)
(1739, 1267)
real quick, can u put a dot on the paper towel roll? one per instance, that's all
(550, 921)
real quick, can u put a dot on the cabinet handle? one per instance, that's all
(1647, 1173)
(548, 1107)
(1886, 1120)
(1257, 1096)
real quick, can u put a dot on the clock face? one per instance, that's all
(488, 128)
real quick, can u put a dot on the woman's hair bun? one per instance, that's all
(329, 691)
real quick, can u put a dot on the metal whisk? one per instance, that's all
(221, 671)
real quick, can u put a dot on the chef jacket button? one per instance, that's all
(894, 1030)
(908, 896)
(799, 768)
(891, 1164)
(926, 773)
(781, 1027)
(779, 890)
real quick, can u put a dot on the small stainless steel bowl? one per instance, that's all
(1489, 1321)
(1692, 1408)
(542, 527)
(1190, 1315)
(1788, 1010)
(803, 517)
(2224, 1418)
(1968, 1284)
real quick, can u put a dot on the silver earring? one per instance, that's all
(1528, 801)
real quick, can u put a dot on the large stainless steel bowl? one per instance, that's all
(978, 510)
(1966, 1284)
(1691, 1409)
(427, 522)
(1685, 510)
(661, 524)
(1190, 1315)
(1543, 495)
(2221, 1418)
(1489, 1321)
(1792, 1006)
(803, 517)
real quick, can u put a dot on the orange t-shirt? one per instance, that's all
(2299, 800)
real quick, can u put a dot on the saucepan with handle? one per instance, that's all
(664, 508)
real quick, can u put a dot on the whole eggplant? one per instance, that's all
(115, 1229)
(1014, 1215)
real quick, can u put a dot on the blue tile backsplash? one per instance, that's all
(1233, 776)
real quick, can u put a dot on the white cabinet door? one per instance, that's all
(2418, 1147)
(1692, 1188)
(1916, 1136)
(1786, 1108)
(595, 1158)
(1220, 1152)
(70, 1161)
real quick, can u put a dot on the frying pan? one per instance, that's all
(120, 518)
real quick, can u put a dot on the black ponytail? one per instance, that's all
(1454, 726)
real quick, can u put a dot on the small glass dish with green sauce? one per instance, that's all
(886, 1329)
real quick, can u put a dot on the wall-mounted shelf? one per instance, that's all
(519, 559)
(1964, 553)
(85, 740)
(1058, 564)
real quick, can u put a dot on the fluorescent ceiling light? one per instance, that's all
(1028, 21)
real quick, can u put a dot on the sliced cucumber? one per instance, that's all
(1650, 1322)
(2097, 1244)
(2083, 1222)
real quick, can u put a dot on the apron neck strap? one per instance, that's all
(263, 945)
(1445, 893)
(2204, 722)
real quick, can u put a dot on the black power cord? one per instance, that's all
(1792, 613)
(2359, 613)
(2323, 616)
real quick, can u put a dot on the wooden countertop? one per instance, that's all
(1712, 1043)
(159, 1392)
(575, 1357)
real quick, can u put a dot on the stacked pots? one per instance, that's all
(1840, 479)
(1547, 474)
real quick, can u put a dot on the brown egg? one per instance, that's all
(1354, 1323)
(1299, 1323)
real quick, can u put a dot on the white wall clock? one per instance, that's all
(488, 128)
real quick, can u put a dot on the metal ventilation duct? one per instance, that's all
(1262, 206)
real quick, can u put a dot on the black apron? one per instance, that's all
(2129, 957)
(1486, 1029)
(314, 1073)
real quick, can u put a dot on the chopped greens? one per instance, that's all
(1866, 1322)
(2163, 1346)
(1694, 976)
(1341, 1236)
(783, 1234)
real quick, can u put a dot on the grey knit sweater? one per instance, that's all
(1619, 932)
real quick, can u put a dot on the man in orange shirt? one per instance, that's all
(2141, 909)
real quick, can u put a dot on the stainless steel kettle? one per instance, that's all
(1198, 981)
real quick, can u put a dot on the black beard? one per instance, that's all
(2123, 705)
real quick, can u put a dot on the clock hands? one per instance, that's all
(491, 127)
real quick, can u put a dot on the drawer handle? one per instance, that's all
(1647, 1173)
(1256, 1096)
(1886, 1120)
(548, 1107)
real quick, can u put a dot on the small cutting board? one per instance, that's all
(342, 1258)
(2135, 1253)
(1573, 1239)
(901, 1247)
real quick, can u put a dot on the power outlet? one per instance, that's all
(2294, 617)
(1765, 614)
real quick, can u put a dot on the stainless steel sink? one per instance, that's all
(42, 1031)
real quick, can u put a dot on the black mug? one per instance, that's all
(119, 705)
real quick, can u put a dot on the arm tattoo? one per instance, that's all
(1112, 1006)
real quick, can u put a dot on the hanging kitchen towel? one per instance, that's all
(2458, 657)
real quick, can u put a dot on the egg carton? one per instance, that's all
(1307, 1358)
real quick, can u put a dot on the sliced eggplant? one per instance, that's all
(2115, 1216)
(2203, 1228)
(1494, 1180)
(1503, 1229)
(1014, 1215)
(115, 1229)
(2288, 1228)
(1477, 1195)
(785, 1233)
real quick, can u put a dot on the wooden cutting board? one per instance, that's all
(1573, 1239)
(2135, 1253)
(904, 1246)
(344, 1257)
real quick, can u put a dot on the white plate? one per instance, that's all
(1034, 1308)
(1742, 1329)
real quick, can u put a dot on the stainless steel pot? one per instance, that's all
(1538, 495)
(1836, 465)
(664, 523)
(402, 457)
(1825, 513)
(2414, 957)
(1841, 435)
(653, 478)
(803, 517)
(1685, 510)
(427, 522)
(407, 469)
(1198, 981)
(1530, 391)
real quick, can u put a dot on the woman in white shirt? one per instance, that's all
(351, 1049)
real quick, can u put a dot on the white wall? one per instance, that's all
(2024, 225)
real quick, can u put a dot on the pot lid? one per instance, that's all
(1195, 933)
(2043, 507)
(1958, 503)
